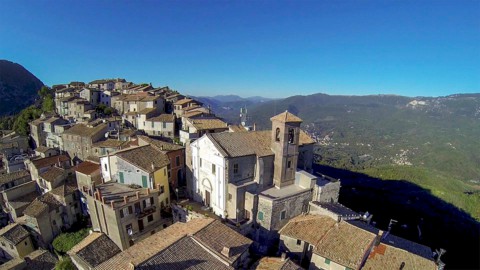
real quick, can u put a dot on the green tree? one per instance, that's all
(48, 104)
(65, 263)
(65, 241)
(26, 115)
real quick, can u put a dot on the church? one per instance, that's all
(258, 179)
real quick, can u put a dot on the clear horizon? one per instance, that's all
(257, 48)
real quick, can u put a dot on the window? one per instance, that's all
(200, 162)
(150, 218)
(11, 246)
(162, 189)
(277, 135)
(229, 197)
(289, 164)
(177, 160)
(152, 124)
(213, 168)
(151, 200)
(105, 165)
(235, 168)
(260, 215)
(283, 215)
(164, 125)
(147, 203)
(291, 135)
(164, 172)
(166, 201)
(25, 243)
(299, 242)
(54, 222)
(130, 210)
(327, 261)
(128, 228)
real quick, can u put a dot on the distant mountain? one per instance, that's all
(18, 87)
(228, 106)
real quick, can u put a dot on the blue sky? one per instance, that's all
(267, 48)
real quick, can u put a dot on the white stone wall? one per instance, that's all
(204, 180)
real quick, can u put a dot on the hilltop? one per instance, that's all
(430, 141)
(18, 87)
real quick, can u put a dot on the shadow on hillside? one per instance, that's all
(442, 225)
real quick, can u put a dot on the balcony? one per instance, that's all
(146, 211)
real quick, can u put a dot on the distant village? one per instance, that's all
(161, 182)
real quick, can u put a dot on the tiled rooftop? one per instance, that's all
(110, 143)
(170, 118)
(336, 208)
(52, 174)
(237, 144)
(85, 131)
(345, 244)
(274, 263)
(286, 117)
(14, 233)
(46, 202)
(95, 249)
(160, 145)
(391, 255)
(87, 167)
(145, 157)
(152, 245)
(208, 123)
(308, 228)
(9, 177)
(48, 161)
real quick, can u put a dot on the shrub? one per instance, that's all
(65, 263)
(65, 241)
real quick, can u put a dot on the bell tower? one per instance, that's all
(284, 144)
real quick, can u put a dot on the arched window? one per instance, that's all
(291, 135)
(277, 134)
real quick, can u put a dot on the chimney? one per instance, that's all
(284, 256)
(125, 199)
(138, 194)
(226, 252)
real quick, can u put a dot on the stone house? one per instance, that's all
(126, 215)
(79, 139)
(176, 154)
(170, 99)
(181, 104)
(40, 165)
(200, 243)
(92, 95)
(162, 125)
(104, 84)
(13, 144)
(51, 213)
(194, 128)
(15, 241)
(104, 147)
(51, 178)
(36, 132)
(38, 259)
(87, 174)
(145, 166)
(13, 179)
(16, 199)
(43, 152)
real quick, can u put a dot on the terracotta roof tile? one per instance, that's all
(208, 123)
(170, 118)
(87, 167)
(144, 157)
(161, 145)
(95, 249)
(46, 202)
(110, 143)
(237, 144)
(183, 101)
(48, 161)
(9, 177)
(286, 117)
(86, 131)
(273, 263)
(152, 245)
(52, 174)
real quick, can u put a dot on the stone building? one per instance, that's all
(145, 166)
(13, 179)
(176, 154)
(79, 139)
(162, 126)
(126, 215)
(194, 128)
(40, 165)
(16, 199)
(51, 213)
(253, 177)
(15, 241)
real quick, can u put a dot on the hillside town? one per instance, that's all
(161, 182)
